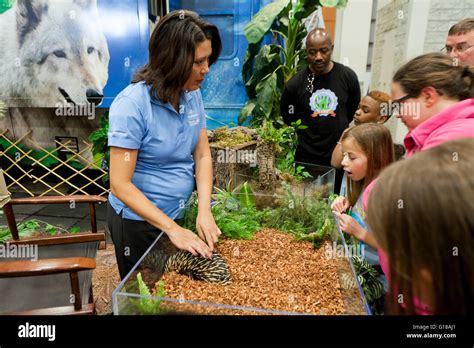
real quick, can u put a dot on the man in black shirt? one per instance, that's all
(325, 97)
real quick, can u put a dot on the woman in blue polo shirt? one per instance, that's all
(158, 143)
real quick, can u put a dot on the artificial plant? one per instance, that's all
(234, 211)
(369, 280)
(306, 218)
(100, 149)
(237, 217)
(147, 305)
(285, 141)
(33, 227)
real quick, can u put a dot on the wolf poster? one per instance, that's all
(60, 59)
(52, 52)
(57, 51)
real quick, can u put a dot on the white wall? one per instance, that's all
(417, 25)
(400, 35)
(442, 15)
(352, 37)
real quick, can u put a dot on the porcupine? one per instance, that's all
(213, 270)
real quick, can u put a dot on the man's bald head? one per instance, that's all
(319, 35)
(319, 50)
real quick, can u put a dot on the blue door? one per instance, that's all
(223, 90)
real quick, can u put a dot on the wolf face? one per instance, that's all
(55, 53)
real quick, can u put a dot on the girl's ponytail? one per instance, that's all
(439, 71)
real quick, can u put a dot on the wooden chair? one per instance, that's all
(24, 271)
(60, 281)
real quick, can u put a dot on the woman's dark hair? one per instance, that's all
(438, 71)
(171, 52)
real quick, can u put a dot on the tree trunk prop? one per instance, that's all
(267, 176)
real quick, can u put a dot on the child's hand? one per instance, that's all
(349, 225)
(340, 204)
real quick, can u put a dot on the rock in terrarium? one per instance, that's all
(233, 152)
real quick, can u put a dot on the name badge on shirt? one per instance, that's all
(193, 119)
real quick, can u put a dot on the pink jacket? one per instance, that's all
(454, 122)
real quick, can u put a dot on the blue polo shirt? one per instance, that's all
(165, 140)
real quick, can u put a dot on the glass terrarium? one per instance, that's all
(322, 179)
(283, 253)
(309, 180)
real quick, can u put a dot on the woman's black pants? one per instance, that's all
(131, 239)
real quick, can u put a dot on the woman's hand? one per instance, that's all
(349, 225)
(205, 224)
(340, 204)
(186, 240)
(207, 228)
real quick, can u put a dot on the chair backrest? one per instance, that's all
(40, 287)
(27, 293)
(42, 290)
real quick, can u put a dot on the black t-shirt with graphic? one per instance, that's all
(326, 104)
